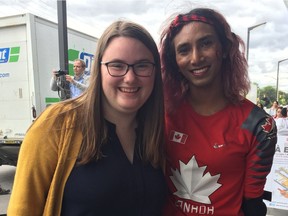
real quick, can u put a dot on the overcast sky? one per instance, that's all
(268, 43)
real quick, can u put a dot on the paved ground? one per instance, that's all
(6, 180)
(277, 212)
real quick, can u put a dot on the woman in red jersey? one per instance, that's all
(220, 146)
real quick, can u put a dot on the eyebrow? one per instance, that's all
(124, 61)
(205, 37)
(208, 36)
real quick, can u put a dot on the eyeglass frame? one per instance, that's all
(128, 66)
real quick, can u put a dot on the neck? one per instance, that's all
(122, 120)
(207, 102)
(79, 75)
(125, 130)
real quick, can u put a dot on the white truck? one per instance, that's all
(29, 51)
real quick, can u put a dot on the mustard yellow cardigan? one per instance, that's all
(47, 156)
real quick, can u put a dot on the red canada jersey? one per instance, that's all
(213, 162)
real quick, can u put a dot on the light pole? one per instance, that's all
(248, 37)
(277, 79)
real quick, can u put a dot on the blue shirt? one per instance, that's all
(79, 85)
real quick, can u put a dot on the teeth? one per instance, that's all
(200, 70)
(129, 90)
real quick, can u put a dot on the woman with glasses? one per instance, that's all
(101, 153)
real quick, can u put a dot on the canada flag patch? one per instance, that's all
(178, 137)
(268, 125)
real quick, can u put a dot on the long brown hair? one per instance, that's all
(234, 66)
(150, 117)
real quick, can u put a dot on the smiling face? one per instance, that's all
(128, 93)
(199, 55)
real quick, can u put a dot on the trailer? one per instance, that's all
(29, 51)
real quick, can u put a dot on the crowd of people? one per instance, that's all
(159, 130)
(279, 113)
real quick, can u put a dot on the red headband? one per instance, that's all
(180, 19)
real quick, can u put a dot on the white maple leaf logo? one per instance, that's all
(192, 184)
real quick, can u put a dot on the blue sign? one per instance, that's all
(4, 55)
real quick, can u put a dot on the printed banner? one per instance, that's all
(277, 180)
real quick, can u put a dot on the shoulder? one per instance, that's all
(258, 120)
(57, 109)
(249, 109)
(86, 76)
(55, 116)
(253, 117)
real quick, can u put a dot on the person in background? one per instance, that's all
(259, 104)
(102, 152)
(279, 112)
(220, 146)
(281, 120)
(284, 112)
(77, 83)
(272, 111)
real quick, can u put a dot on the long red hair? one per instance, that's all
(234, 67)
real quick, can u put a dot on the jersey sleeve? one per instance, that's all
(263, 139)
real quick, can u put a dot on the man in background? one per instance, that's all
(77, 83)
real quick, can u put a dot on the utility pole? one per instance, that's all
(277, 79)
(248, 39)
(63, 47)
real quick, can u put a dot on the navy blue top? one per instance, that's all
(114, 186)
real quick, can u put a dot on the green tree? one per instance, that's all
(283, 98)
(267, 95)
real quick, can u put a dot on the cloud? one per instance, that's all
(267, 45)
(111, 7)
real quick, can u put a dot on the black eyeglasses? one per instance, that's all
(118, 69)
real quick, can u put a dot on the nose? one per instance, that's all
(196, 56)
(130, 75)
